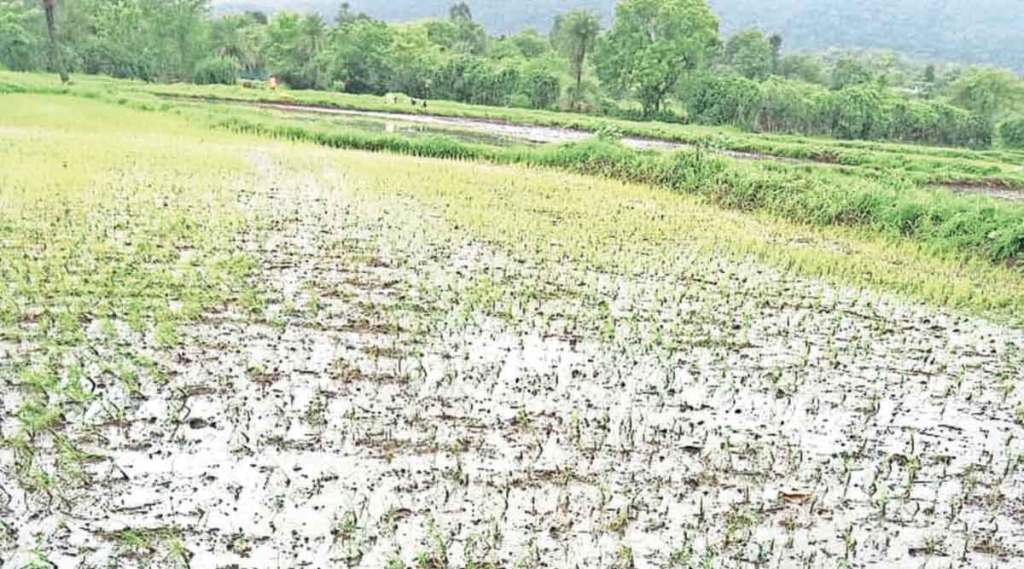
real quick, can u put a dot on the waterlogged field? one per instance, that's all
(218, 350)
(998, 172)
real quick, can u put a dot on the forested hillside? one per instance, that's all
(979, 31)
(974, 31)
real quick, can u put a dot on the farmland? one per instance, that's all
(236, 336)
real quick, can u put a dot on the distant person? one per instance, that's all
(424, 103)
(273, 82)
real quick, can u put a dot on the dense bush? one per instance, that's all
(101, 58)
(1012, 132)
(216, 70)
(962, 128)
(788, 106)
(540, 87)
(865, 112)
(856, 112)
(731, 99)
(472, 79)
(19, 49)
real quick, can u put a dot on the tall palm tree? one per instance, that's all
(50, 6)
(575, 33)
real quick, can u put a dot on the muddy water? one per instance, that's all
(501, 134)
(410, 128)
(526, 133)
(508, 131)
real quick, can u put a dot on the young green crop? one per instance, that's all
(631, 228)
(947, 223)
(115, 225)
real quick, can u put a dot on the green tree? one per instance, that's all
(347, 15)
(120, 41)
(141, 39)
(459, 33)
(788, 106)
(652, 44)
(775, 42)
(460, 13)
(987, 92)
(722, 99)
(293, 45)
(414, 60)
(929, 73)
(359, 56)
(258, 16)
(1012, 132)
(217, 70)
(178, 28)
(240, 37)
(849, 72)
(751, 54)
(20, 48)
(575, 34)
(857, 112)
(527, 44)
(530, 43)
(802, 67)
(539, 84)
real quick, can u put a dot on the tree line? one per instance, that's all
(661, 59)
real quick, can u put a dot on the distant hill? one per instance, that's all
(972, 31)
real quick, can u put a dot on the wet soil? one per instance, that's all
(986, 189)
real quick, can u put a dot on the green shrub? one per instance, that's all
(216, 70)
(1012, 132)
(539, 87)
(857, 112)
(787, 106)
(731, 100)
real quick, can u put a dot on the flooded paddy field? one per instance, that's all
(417, 126)
(461, 128)
(302, 357)
(503, 134)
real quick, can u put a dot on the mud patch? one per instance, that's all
(997, 191)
